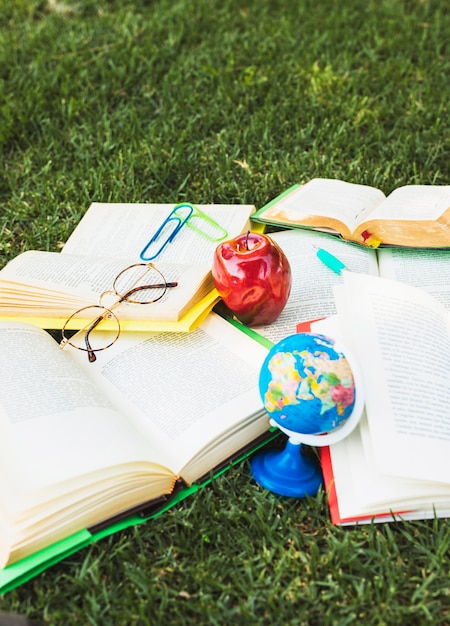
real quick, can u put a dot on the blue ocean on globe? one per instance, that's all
(306, 385)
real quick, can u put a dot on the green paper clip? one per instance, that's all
(209, 228)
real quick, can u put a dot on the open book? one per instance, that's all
(395, 464)
(414, 216)
(83, 442)
(312, 296)
(46, 288)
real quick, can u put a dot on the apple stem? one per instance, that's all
(246, 239)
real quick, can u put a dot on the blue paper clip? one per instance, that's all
(173, 224)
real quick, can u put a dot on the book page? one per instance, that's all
(184, 391)
(123, 230)
(401, 337)
(312, 294)
(362, 490)
(348, 203)
(55, 424)
(427, 269)
(50, 283)
(414, 202)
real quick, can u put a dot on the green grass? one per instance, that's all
(224, 101)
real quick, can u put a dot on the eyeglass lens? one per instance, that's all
(91, 337)
(140, 284)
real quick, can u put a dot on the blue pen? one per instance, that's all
(330, 261)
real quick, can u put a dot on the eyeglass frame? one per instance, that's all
(108, 311)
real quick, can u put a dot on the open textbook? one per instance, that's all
(312, 295)
(413, 215)
(395, 464)
(46, 288)
(103, 439)
(50, 287)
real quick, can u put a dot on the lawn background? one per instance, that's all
(224, 101)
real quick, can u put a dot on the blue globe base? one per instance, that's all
(287, 472)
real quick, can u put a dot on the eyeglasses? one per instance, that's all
(184, 214)
(133, 285)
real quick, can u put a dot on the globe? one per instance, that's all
(307, 385)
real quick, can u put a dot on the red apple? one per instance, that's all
(253, 277)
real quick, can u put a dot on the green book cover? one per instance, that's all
(258, 216)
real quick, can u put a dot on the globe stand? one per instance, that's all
(287, 472)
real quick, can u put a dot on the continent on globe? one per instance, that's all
(307, 386)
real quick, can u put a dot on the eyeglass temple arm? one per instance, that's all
(89, 349)
(144, 287)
